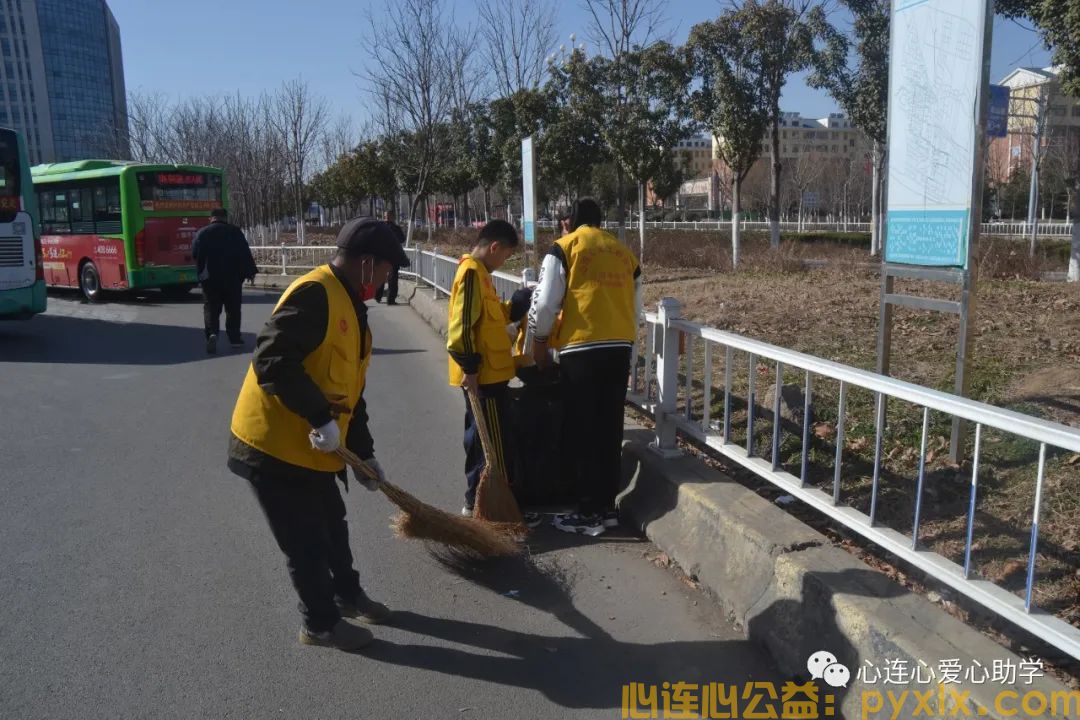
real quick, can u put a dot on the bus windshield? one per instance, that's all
(10, 170)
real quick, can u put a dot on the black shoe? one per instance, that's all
(211, 345)
(365, 610)
(236, 342)
(391, 302)
(591, 525)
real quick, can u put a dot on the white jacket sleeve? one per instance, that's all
(548, 297)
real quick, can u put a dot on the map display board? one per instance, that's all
(935, 78)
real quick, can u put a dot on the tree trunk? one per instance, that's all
(414, 202)
(774, 190)
(736, 201)
(620, 204)
(641, 219)
(429, 220)
(299, 222)
(465, 210)
(1074, 253)
(487, 205)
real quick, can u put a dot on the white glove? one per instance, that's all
(369, 482)
(327, 438)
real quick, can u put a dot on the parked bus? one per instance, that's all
(22, 284)
(110, 225)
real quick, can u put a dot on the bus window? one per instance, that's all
(107, 213)
(55, 218)
(82, 211)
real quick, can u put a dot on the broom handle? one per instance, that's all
(481, 427)
(357, 464)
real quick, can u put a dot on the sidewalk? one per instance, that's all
(786, 585)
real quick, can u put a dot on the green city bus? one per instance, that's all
(22, 282)
(112, 225)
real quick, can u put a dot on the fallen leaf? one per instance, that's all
(824, 430)
(858, 444)
(1073, 459)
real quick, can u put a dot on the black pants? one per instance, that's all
(594, 393)
(494, 404)
(307, 516)
(390, 289)
(216, 297)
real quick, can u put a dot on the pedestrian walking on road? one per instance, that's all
(302, 399)
(223, 260)
(591, 284)
(390, 288)
(481, 351)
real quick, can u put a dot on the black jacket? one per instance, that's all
(222, 255)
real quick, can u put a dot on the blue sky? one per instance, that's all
(246, 46)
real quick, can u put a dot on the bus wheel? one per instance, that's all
(90, 282)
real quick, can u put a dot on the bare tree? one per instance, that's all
(805, 172)
(299, 117)
(616, 26)
(412, 79)
(339, 138)
(518, 36)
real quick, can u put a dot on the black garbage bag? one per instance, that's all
(541, 479)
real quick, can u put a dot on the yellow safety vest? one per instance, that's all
(337, 366)
(493, 342)
(599, 302)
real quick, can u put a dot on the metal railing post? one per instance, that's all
(667, 375)
(435, 272)
(283, 272)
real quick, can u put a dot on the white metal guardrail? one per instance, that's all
(1045, 230)
(657, 388)
(663, 379)
(429, 267)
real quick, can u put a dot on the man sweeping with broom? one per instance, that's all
(481, 360)
(301, 401)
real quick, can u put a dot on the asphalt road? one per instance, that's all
(138, 577)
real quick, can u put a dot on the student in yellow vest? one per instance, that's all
(303, 397)
(591, 284)
(480, 348)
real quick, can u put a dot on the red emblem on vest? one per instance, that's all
(344, 326)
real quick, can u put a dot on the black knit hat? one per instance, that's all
(368, 236)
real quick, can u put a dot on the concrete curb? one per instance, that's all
(787, 586)
(794, 592)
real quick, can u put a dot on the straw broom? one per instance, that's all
(494, 500)
(424, 522)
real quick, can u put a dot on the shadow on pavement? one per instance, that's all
(84, 341)
(589, 668)
(395, 351)
(586, 669)
(155, 298)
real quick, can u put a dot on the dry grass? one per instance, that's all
(1027, 357)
